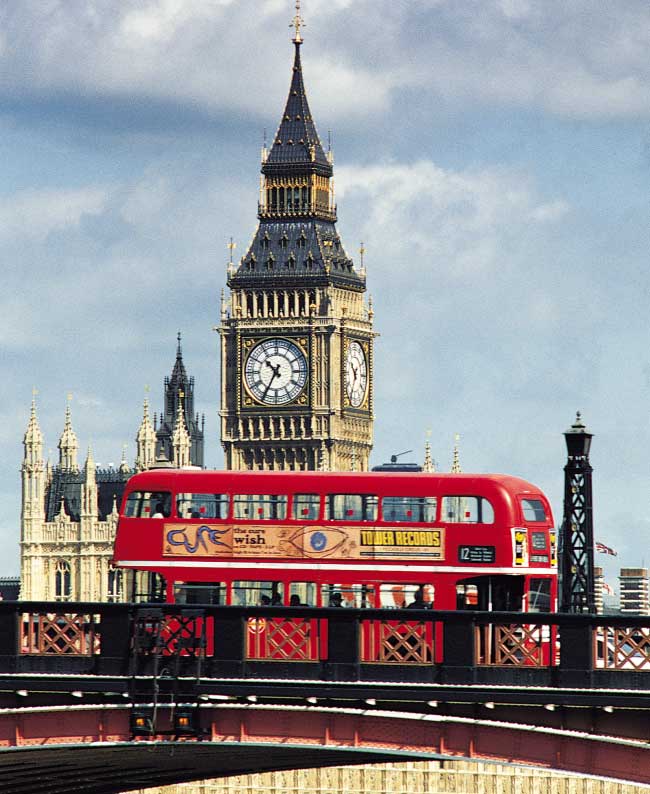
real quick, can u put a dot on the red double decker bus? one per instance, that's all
(443, 541)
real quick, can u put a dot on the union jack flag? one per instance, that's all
(603, 549)
(608, 589)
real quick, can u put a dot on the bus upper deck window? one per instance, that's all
(148, 504)
(202, 505)
(533, 510)
(466, 510)
(260, 507)
(351, 507)
(306, 506)
(409, 508)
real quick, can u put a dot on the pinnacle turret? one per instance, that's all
(68, 444)
(429, 465)
(181, 439)
(33, 439)
(146, 441)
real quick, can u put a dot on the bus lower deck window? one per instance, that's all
(250, 594)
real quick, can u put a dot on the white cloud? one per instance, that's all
(36, 213)
(570, 59)
(425, 213)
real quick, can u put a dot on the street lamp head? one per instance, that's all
(578, 440)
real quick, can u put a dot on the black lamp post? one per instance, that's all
(577, 533)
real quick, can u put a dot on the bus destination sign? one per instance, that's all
(476, 554)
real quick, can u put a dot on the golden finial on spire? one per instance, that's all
(231, 266)
(297, 22)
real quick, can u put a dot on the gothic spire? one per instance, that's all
(296, 146)
(68, 444)
(33, 439)
(181, 438)
(429, 466)
(90, 467)
(179, 374)
(145, 441)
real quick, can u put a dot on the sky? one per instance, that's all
(492, 155)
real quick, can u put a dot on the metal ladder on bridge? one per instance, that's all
(167, 652)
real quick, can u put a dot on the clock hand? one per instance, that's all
(276, 374)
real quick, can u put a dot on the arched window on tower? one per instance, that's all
(62, 581)
(302, 240)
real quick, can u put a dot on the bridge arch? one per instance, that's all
(89, 748)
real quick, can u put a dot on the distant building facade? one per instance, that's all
(69, 511)
(634, 592)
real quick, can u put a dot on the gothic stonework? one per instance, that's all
(69, 514)
(296, 334)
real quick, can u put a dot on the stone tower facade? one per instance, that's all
(296, 333)
(69, 512)
(68, 522)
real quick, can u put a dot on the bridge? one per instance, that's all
(112, 697)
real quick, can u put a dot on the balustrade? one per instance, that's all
(453, 647)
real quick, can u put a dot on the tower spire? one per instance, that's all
(68, 444)
(297, 22)
(145, 440)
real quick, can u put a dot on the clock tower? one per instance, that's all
(296, 331)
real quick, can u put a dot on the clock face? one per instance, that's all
(356, 374)
(276, 371)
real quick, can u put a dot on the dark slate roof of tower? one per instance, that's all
(291, 250)
(67, 485)
(296, 142)
(294, 246)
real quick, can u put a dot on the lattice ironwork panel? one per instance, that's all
(513, 645)
(171, 635)
(621, 648)
(61, 634)
(397, 642)
(280, 640)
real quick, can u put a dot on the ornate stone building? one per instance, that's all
(69, 512)
(296, 333)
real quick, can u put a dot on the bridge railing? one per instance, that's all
(329, 644)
